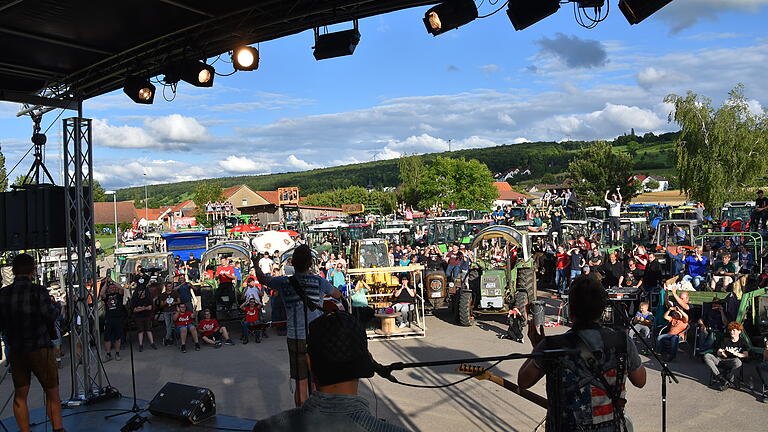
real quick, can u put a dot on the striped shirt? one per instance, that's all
(27, 315)
(315, 287)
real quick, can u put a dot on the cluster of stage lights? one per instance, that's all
(449, 15)
(196, 73)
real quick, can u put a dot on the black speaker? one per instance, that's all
(33, 218)
(182, 402)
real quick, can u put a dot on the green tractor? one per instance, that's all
(503, 275)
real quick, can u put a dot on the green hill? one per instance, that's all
(652, 154)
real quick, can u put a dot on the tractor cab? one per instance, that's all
(396, 236)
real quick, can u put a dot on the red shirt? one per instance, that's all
(251, 314)
(639, 263)
(208, 326)
(183, 318)
(563, 260)
(224, 278)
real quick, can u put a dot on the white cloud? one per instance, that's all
(652, 76)
(122, 173)
(489, 68)
(299, 164)
(177, 128)
(240, 165)
(124, 136)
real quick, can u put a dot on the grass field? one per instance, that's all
(107, 243)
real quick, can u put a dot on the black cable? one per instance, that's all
(54, 121)
(494, 12)
(7, 175)
(453, 383)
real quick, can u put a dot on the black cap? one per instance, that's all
(338, 349)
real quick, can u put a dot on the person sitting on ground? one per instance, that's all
(338, 356)
(666, 344)
(643, 321)
(212, 333)
(724, 272)
(252, 308)
(727, 357)
(697, 267)
(404, 297)
(185, 325)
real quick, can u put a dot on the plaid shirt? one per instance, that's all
(27, 315)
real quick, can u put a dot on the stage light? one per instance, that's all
(245, 58)
(449, 15)
(590, 3)
(140, 90)
(335, 44)
(524, 13)
(198, 73)
(637, 10)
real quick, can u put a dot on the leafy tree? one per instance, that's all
(98, 192)
(22, 179)
(652, 184)
(598, 169)
(633, 147)
(411, 172)
(206, 191)
(3, 174)
(549, 179)
(384, 201)
(467, 184)
(720, 152)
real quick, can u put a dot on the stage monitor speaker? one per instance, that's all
(32, 218)
(182, 402)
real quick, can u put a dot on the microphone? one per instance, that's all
(385, 371)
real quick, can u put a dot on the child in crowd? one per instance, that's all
(643, 321)
(251, 307)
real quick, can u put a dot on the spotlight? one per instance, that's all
(449, 15)
(245, 58)
(140, 90)
(337, 44)
(638, 10)
(524, 13)
(198, 73)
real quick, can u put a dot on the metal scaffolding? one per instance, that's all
(82, 298)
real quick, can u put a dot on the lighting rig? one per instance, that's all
(445, 16)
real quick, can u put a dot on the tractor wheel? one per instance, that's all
(526, 279)
(464, 308)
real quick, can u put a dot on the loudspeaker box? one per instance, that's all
(183, 402)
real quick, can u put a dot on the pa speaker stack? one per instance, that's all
(32, 218)
(188, 404)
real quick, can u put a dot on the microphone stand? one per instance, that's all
(666, 373)
(385, 371)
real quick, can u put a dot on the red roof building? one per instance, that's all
(506, 193)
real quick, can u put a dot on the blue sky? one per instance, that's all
(405, 91)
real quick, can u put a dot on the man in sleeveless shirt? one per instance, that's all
(586, 391)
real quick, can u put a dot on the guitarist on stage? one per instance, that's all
(587, 391)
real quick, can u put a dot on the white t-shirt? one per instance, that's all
(614, 208)
(265, 264)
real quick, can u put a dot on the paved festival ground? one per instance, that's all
(251, 381)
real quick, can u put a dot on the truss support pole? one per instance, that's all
(82, 298)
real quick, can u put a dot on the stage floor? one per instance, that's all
(90, 418)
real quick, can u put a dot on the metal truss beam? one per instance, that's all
(82, 298)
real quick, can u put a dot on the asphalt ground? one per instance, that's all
(251, 381)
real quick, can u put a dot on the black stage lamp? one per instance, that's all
(198, 73)
(524, 13)
(637, 10)
(140, 90)
(590, 3)
(245, 58)
(335, 44)
(449, 15)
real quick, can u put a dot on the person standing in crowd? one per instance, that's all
(760, 214)
(338, 356)
(297, 292)
(336, 276)
(193, 268)
(584, 397)
(561, 269)
(115, 316)
(168, 301)
(632, 277)
(185, 293)
(142, 306)
(265, 263)
(613, 270)
(238, 275)
(614, 214)
(577, 262)
(225, 273)
(27, 319)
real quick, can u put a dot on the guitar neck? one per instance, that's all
(509, 385)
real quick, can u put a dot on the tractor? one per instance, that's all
(503, 266)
